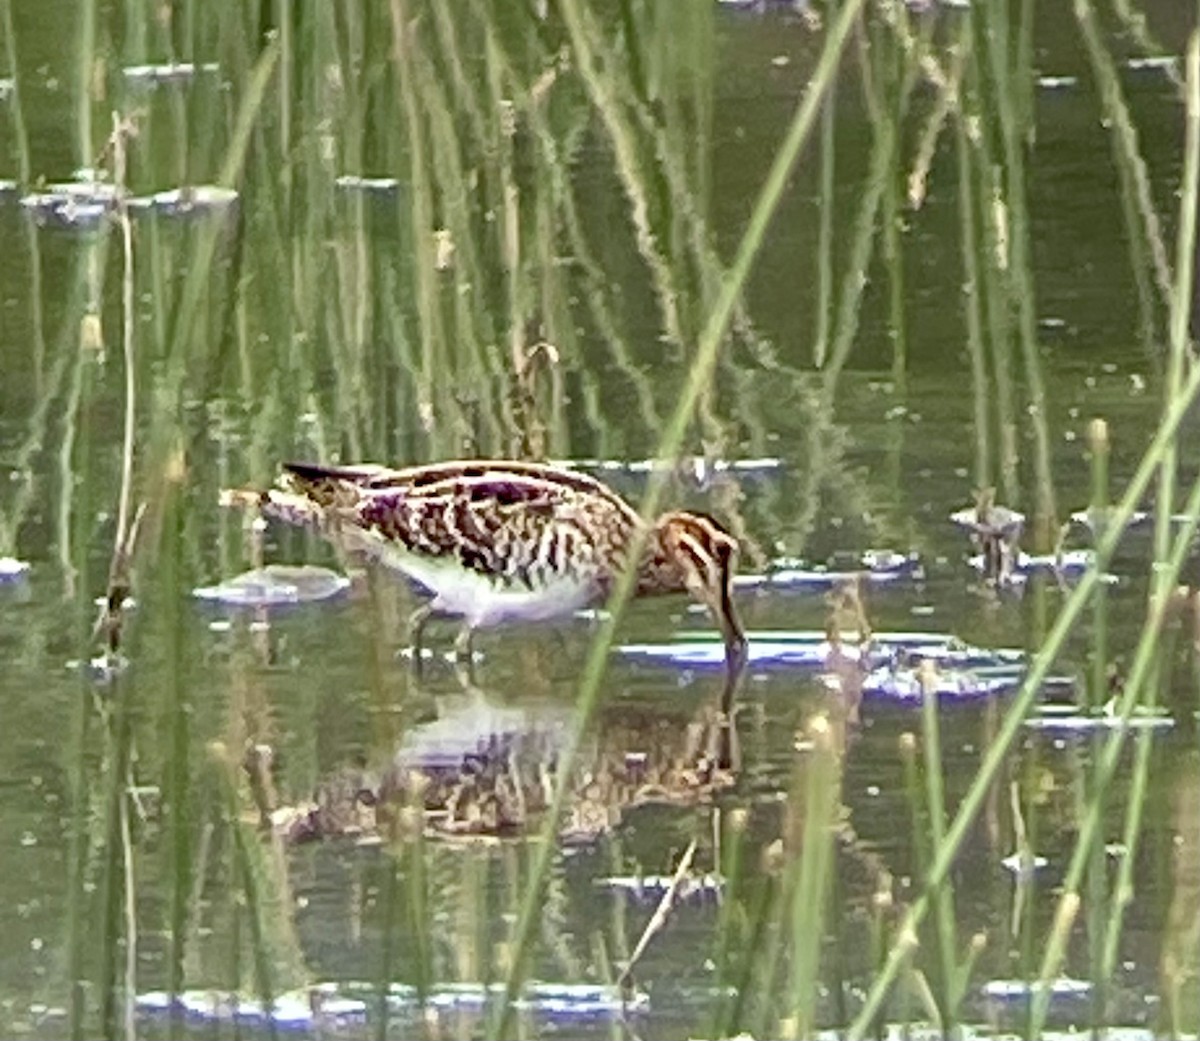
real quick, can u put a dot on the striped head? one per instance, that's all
(692, 552)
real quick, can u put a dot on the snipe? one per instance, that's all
(496, 541)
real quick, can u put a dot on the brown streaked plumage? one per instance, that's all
(499, 540)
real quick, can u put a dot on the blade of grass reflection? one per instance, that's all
(414, 859)
(889, 75)
(74, 513)
(244, 852)
(13, 101)
(39, 428)
(177, 720)
(1148, 252)
(421, 218)
(670, 442)
(555, 151)
(991, 278)
(475, 329)
(992, 50)
(389, 900)
(586, 41)
(881, 173)
(76, 759)
(1039, 667)
(113, 886)
(825, 226)
(970, 250)
(198, 273)
(671, 166)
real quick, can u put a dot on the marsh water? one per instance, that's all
(585, 196)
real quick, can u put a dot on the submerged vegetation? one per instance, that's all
(720, 238)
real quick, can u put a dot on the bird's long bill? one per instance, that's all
(719, 600)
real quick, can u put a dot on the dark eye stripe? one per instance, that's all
(691, 547)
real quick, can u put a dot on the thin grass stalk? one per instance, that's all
(890, 79)
(733, 855)
(771, 939)
(128, 319)
(475, 326)
(882, 903)
(912, 791)
(418, 912)
(967, 208)
(943, 894)
(287, 72)
(1144, 664)
(825, 227)
(1097, 690)
(33, 445)
(113, 885)
(922, 833)
(1024, 72)
(1181, 299)
(1019, 258)
(389, 902)
(1025, 882)
(993, 286)
(176, 786)
(811, 881)
(20, 134)
(1131, 166)
(757, 978)
(422, 215)
(880, 177)
(75, 512)
(707, 350)
(1180, 954)
(198, 272)
(1039, 667)
(244, 851)
(1148, 253)
(947, 105)
(1096, 694)
(1123, 886)
(76, 761)
(84, 73)
(129, 980)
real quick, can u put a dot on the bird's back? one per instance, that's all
(521, 526)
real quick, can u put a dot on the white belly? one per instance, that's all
(478, 599)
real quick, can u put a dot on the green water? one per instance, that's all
(314, 322)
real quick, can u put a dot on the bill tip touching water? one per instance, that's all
(497, 541)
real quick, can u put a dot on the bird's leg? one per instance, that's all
(464, 642)
(416, 630)
(464, 651)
